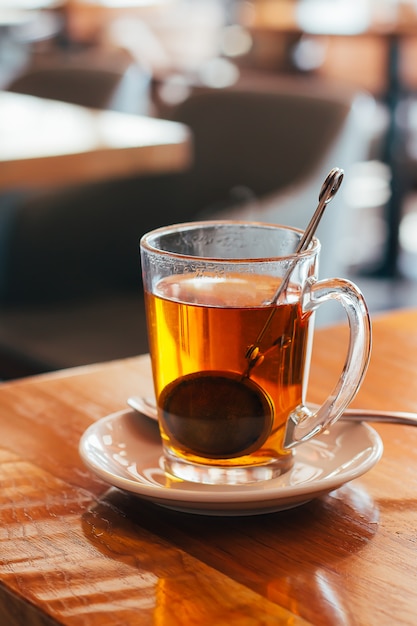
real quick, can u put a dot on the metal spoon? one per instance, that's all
(328, 190)
(146, 406)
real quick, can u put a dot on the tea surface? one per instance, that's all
(205, 325)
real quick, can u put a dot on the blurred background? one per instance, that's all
(274, 92)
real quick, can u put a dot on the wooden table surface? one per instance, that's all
(74, 551)
(44, 142)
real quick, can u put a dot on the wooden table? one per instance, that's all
(74, 552)
(44, 142)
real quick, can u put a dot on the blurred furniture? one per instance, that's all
(89, 78)
(21, 12)
(23, 26)
(77, 552)
(392, 26)
(44, 142)
(98, 76)
(264, 146)
(26, 5)
(261, 151)
(87, 21)
(178, 38)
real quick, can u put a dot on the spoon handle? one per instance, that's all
(384, 417)
(147, 407)
(328, 191)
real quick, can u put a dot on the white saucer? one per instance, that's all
(124, 449)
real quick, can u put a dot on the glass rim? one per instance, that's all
(147, 245)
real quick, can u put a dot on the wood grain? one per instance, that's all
(82, 560)
(73, 551)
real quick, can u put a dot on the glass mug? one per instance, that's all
(230, 312)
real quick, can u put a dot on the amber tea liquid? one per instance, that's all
(203, 327)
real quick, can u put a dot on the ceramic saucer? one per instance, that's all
(124, 449)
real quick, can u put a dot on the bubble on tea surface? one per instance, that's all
(216, 414)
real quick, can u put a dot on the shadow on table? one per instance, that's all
(261, 552)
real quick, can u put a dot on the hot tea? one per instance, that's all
(230, 308)
(200, 330)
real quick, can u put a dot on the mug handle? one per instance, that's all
(302, 423)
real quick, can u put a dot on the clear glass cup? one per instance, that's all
(230, 313)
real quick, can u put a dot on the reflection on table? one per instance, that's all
(76, 551)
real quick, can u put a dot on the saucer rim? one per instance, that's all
(229, 497)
